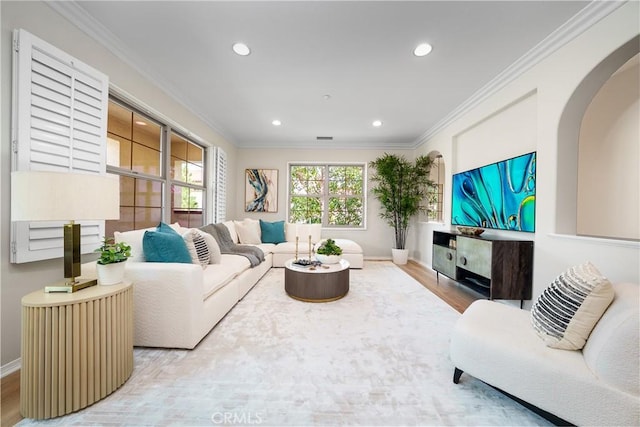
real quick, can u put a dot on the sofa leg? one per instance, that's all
(456, 375)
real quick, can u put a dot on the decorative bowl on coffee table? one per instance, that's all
(328, 259)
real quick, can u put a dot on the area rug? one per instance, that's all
(377, 357)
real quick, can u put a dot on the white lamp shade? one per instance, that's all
(64, 196)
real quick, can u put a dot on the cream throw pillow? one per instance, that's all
(290, 231)
(133, 238)
(249, 232)
(568, 310)
(232, 230)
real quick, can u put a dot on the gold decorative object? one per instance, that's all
(65, 196)
(296, 247)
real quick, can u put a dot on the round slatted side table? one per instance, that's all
(77, 348)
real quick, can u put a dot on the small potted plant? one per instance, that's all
(111, 263)
(328, 252)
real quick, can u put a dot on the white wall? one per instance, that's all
(553, 82)
(376, 240)
(18, 280)
(609, 159)
(507, 133)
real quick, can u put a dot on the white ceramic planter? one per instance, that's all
(110, 274)
(328, 259)
(399, 256)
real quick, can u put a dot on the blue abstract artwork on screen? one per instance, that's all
(501, 195)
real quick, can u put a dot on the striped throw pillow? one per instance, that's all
(197, 247)
(201, 249)
(566, 312)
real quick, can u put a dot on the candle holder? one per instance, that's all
(306, 262)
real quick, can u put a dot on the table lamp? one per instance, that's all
(65, 196)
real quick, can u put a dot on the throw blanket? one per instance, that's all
(227, 246)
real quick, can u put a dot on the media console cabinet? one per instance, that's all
(496, 268)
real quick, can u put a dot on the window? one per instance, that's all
(136, 151)
(329, 194)
(187, 190)
(435, 193)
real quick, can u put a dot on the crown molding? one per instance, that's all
(94, 29)
(579, 23)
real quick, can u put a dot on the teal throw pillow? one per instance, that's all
(164, 246)
(272, 232)
(165, 228)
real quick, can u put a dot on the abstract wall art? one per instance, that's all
(261, 190)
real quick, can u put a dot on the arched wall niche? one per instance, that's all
(609, 159)
(436, 195)
(569, 133)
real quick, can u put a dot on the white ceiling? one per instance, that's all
(359, 53)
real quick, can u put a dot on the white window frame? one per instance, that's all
(167, 128)
(326, 195)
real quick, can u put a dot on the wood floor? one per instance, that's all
(10, 403)
(449, 291)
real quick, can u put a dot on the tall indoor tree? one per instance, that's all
(401, 186)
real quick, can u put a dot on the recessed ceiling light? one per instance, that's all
(276, 122)
(422, 49)
(241, 49)
(377, 123)
(327, 97)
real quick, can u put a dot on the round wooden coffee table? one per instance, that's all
(328, 282)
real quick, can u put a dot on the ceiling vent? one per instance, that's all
(324, 138)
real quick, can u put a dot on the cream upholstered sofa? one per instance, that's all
(598, 385)
(176, 304)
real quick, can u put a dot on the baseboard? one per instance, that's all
(10, 368)
(411, 259)
(421, 263)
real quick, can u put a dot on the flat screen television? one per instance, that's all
(501, 195)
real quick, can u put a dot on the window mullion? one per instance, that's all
(167, 185)
(325, 197)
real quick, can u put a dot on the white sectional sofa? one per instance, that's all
(596, 386)
(176, 305)
(306, 234)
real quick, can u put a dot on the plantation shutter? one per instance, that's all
(220, 187)
(59, 120)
